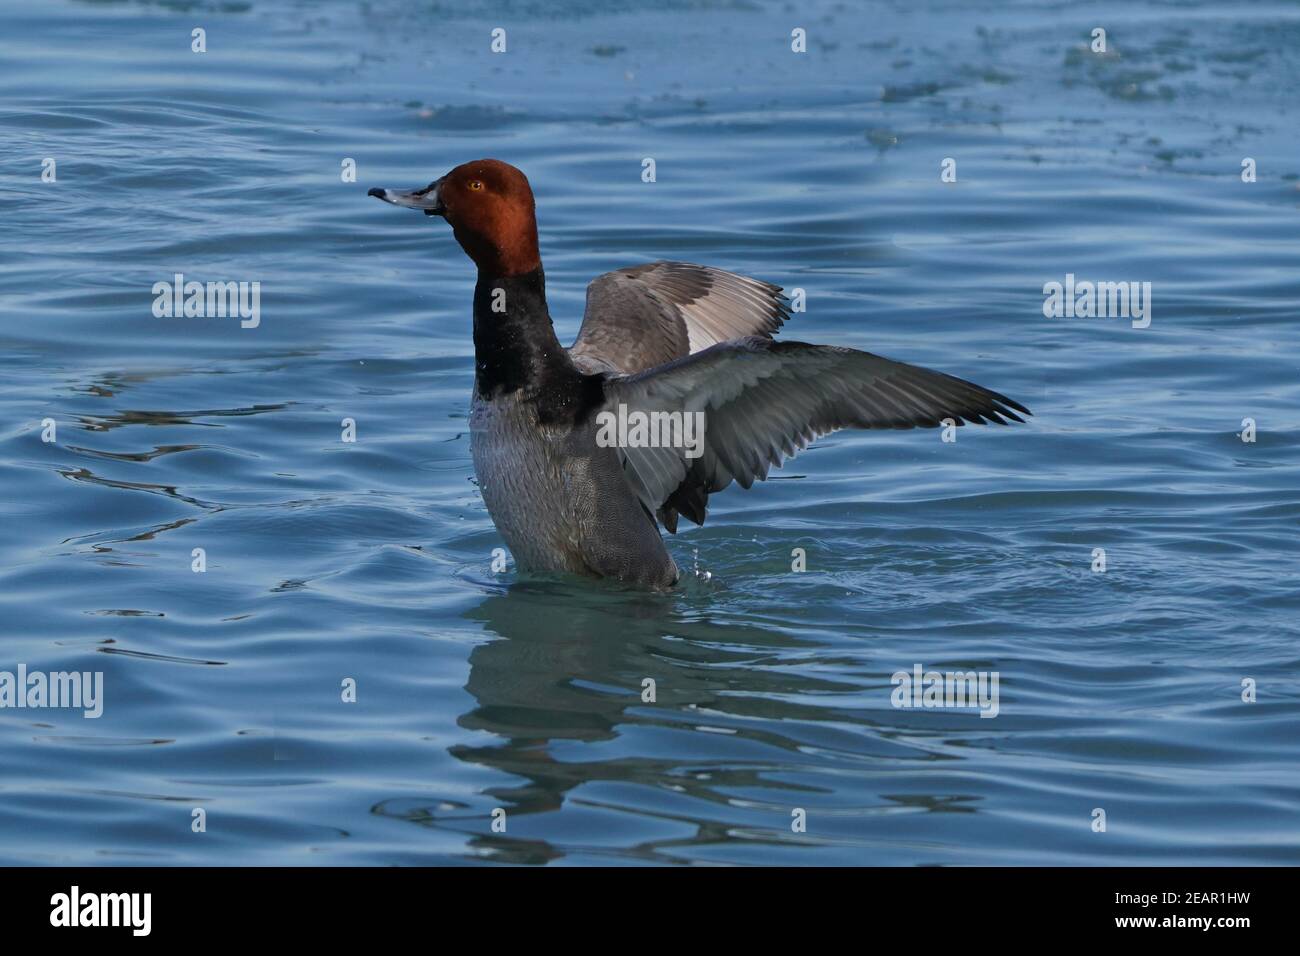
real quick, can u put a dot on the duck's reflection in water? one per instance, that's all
(572, 664)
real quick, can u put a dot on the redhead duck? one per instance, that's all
(667, 343)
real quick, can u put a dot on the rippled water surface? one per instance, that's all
(371, 560)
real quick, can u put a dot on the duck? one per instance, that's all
(677, 340)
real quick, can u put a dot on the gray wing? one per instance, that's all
(764, 401)
(647, 315)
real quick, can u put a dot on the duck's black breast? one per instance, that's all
(516, 351)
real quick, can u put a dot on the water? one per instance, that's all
(371, 561)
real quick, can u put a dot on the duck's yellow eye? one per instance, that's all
(475, 185)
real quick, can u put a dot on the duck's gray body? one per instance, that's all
(562, 502)
(559, 500)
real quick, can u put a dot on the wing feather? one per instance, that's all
(644, 316)
(764, 401)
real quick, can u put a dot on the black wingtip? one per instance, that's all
(1003, 405)
(1016, 405)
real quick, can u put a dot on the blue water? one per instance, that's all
(1120, 691)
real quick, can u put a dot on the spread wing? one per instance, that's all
(648, 315)
(764, 401)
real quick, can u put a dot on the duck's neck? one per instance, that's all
(515, 348)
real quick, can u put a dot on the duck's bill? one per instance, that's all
(426, 199)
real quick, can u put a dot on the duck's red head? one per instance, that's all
(490, 207)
